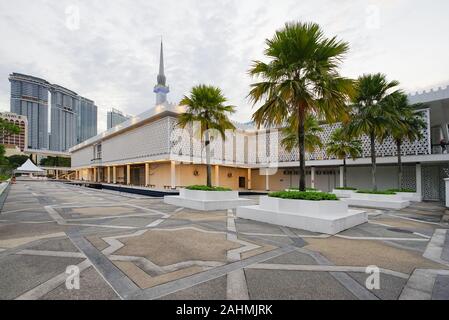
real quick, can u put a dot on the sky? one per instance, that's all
(108, 51)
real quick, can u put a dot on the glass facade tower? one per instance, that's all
(29, 97)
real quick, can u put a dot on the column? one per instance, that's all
(217, 175)
(173, 174)
(418, 180)
(312, 178)
(57, 174)
(95, 175)
(128, 174)
(147, 174)
(341, 177)
(108, 173)
(267, 181)
(249, 179)
(114, 174)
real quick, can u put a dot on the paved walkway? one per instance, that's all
(132, 247)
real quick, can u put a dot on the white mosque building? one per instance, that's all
(150, 151)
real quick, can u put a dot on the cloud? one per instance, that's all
(112, 57)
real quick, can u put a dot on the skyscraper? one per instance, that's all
(115, 117)
(161, 89)
(29, 97)
(64, 106)
(86, 120)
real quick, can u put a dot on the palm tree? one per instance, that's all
(301, 79)
(206, 105)
(370, 115)
(409, 124)
(342, 146)
(312, 139)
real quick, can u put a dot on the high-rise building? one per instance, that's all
(15, 140)
(73, 118)
(86, 120)
(29, 97)
(115, 117)
(64, 106)
(161, 89)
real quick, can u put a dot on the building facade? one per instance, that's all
(29, 98)
(64, 106)
(151, 151)
(115, 117)
(19, 141)
(87, 115)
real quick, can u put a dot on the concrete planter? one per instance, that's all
(381, 201)
(344, 193)
(208, 195)
(330, 217)
(379, 197)
(295, 206)
(410, 196)
(207, 200)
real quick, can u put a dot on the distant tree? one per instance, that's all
(8, 128)
(207, 106)
(408, 124)
(370, 115)
(17, 160)
(342, 146)
(55, 162)
(312, 139)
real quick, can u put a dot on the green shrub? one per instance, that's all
(297, 195)
(307, 189)
(387, 193)
(206, 188)
(346, 188)
(402, 190)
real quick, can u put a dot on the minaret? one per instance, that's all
(161, 89)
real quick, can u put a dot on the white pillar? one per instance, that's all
(173, 174)
(114, 174)
(312, 178)
(108, 174)
(446, 181)
(217, 175)
(128, 174)
(418, 180)
(57, 174)
(249, 179)
(147, 174)
(95, 175)
(341, 177)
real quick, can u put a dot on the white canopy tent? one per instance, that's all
(29, 167)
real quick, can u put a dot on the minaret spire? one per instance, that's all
(161, 89)
(161, 76)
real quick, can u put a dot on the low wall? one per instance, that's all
(4, 190)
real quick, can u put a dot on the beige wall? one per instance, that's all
(160, 175)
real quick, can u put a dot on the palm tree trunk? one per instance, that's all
(302, 151)
(373, 161)
(344, 173)
(208, 166)
(398, 145)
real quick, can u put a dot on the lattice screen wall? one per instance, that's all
(266, 147)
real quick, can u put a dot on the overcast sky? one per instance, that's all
(108, 50)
